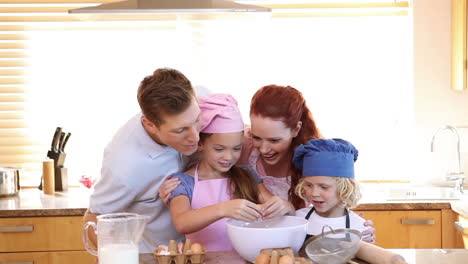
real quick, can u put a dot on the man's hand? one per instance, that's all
(166, 188)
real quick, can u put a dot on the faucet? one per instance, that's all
(458, 175)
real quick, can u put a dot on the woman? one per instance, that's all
(280, 122)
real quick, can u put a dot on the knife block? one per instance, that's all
(61, 175)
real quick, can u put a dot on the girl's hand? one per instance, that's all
(241, 209)
(276, 206)
(166, 188)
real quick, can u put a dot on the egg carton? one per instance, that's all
(283, 255)
(180, 254)
(180, 258)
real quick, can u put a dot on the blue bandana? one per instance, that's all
(326, 157)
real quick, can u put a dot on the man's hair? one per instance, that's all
(166, 92)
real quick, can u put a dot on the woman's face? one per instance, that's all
(321, 192)
(222, 150)
(272, 138)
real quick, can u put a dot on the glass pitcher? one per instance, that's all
(118, 236)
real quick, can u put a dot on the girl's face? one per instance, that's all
(272, 138)
(321, 191)
(222, 150)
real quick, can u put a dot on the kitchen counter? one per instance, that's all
(33, 202)
(75, 201)
(412, 256)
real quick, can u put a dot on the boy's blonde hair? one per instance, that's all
(347, 190)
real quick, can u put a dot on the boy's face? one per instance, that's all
(321, 192)
(221, 151)
(179, 131)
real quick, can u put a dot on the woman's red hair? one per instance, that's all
(287, 104)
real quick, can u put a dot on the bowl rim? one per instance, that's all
(305, 222)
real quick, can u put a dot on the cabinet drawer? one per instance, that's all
(63, 257)
(407, 229)
(40, 234)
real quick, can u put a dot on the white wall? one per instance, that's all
(435, 103)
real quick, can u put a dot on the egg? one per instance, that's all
(262, 259)
(262, 209)
(197, 248)
(161, 248)
(286, 260)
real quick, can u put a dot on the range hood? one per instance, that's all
(169, 6)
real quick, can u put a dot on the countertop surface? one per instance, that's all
(75, 201)
(33, 202)
(412, 256)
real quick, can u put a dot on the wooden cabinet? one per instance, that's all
(461, 233)
(68, 257)
(37, 240)
(407, 229)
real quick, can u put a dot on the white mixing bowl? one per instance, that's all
(283, 231)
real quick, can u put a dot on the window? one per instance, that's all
(351, 60)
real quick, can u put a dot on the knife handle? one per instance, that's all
(60, 144)
(65, 141)
(55, 139)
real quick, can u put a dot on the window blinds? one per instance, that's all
(19, 144)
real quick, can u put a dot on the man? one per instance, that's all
(149, 147)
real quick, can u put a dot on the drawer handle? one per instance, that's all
(12, 229)
(16, 262)
(459, 226)
(417, 221)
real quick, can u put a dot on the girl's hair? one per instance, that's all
(347, 190)
(291, 109)
(242, 184)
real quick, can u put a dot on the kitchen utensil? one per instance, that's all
(58, 154)
(377, 255)
(283, 231)
(333, 247)
(118, 236)
(55, 139)
(60, 144)
(64, 143)
(48, 176)
(9, 181)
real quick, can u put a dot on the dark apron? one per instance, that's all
(313, 209)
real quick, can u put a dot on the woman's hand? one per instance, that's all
(276, 206)
(166, 188)
(241, 209)
(369, 234)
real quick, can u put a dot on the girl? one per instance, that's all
(328, 184)
(215, 189)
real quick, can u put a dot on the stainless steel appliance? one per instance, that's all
(9, 181)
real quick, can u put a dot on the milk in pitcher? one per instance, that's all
(118, 254)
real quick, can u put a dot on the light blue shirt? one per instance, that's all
(133, 168)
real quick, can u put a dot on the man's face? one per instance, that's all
(181, 131)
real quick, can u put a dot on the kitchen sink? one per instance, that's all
(422, 193)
